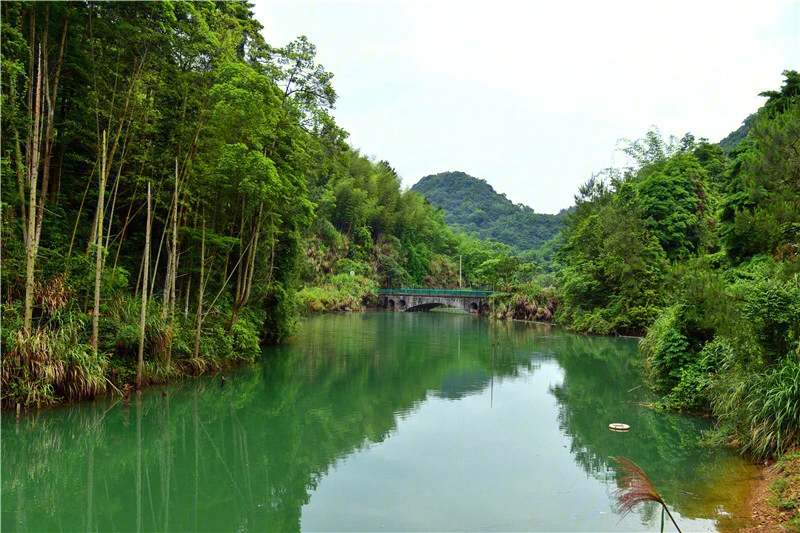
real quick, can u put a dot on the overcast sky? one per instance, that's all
(533, 96)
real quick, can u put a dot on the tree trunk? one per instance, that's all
(32, 245)
(172, 270)
(98, 269)
(199, 319)
(51, 94)
(143, 317)
(124, 118)
(247, 269)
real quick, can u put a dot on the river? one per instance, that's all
(376, 421)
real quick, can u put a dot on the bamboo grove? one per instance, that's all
(170, 181)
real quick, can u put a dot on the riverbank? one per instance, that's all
(774, 503)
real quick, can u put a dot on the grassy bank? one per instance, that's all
(775, 501)
(530, 302)
(57, 364)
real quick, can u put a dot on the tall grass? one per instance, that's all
(761, 410)
(51, 365)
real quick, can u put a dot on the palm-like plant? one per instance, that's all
(635, 488)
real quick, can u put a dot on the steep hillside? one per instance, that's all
(732, 140)
(472, 206)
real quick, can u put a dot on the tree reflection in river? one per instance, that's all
(249, 456)
(603, 384)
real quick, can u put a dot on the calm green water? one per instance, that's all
(374, 422)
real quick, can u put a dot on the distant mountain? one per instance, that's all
(472, 206)
(733, 139)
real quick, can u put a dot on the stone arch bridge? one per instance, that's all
(471, 301)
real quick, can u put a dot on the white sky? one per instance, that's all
(532, 96)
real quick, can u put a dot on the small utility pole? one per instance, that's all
(459, 271)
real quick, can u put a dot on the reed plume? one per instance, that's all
(635, 488)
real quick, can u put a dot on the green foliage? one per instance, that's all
(342, 292)
(730, 346)
(759, 410)
(614, 266)
(367, 225)
(528, 301)
(472, 206)
(282, 311)
(666, 348)
(346, 266)
(673, 205)
(779, 102)
(761, 210)
(771, 307)
(718, 347)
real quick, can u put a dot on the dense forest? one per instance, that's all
(472, 206)
(698, 251)
(176, 193)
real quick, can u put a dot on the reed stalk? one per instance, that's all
(635, 488)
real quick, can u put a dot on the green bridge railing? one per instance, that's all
(438, 292)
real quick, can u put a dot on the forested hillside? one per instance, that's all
(699, 252)
(169, 182)
(472, 206)
(176, 192)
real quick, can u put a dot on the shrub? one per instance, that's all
(666, 349)
(342, 292)
(51, 364)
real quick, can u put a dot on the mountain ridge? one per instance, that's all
(472, 206)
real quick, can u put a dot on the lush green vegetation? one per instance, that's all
(176, 193)
(698, 251)
(785, 491)
(473, 207)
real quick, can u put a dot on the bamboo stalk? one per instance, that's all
(143, 316)
(31, 247)
(199, 318)
(99, 257)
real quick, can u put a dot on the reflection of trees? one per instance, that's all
(246, 456)
(603, 384)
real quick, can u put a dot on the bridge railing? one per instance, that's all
(438, 292)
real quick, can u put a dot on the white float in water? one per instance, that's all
(617, 426)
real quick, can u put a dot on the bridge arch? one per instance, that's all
(471, 301)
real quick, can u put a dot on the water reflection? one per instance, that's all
(251, 456)
(661, 443)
